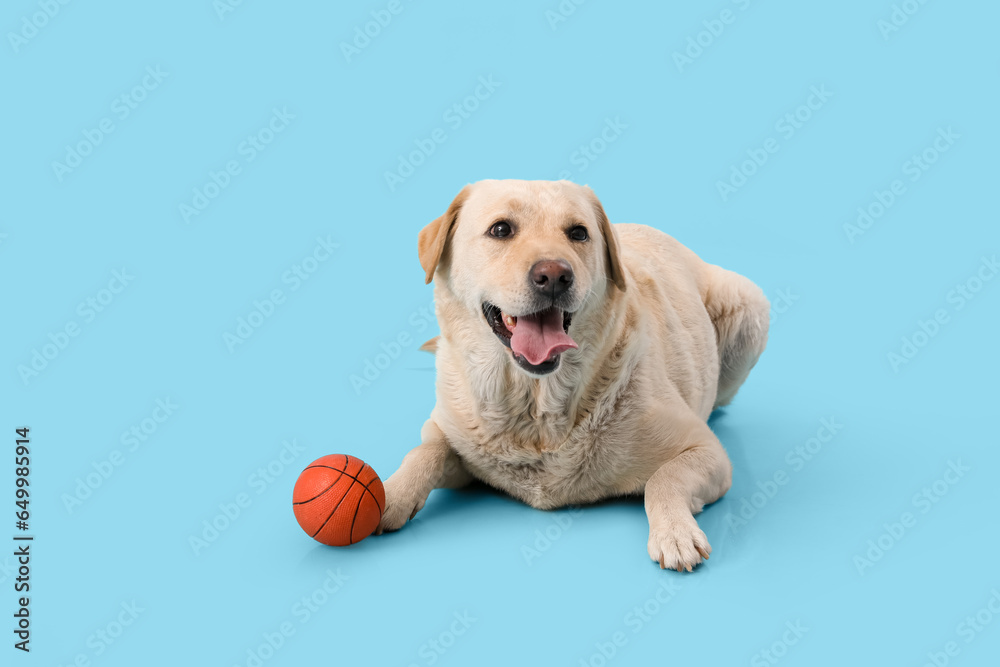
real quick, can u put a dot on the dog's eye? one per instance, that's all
(578, 233)
(501, 229)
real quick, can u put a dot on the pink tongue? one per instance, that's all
(537, 337)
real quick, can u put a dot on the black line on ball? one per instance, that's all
(377, 503)
(332, 484)
(335, 509)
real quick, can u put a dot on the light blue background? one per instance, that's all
(851, 304)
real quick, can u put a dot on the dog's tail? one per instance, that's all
(431, 345)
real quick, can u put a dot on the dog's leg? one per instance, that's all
(431, 465)
(741, 315)
(679, 488)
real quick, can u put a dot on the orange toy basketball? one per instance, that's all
(338, 500)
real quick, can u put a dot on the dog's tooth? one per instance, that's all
(510, 321)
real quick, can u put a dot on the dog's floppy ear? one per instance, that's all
(434, 237)
(615, 271)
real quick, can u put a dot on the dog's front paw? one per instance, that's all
(678, 544)
(401, 505)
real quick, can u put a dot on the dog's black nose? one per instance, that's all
(552, 277)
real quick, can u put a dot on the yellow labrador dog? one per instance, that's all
(578, 360)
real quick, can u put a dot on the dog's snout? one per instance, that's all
(552, 277)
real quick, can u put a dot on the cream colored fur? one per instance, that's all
(663, 339)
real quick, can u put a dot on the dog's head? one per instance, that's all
(527, 257)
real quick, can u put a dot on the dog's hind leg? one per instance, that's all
(741, 314)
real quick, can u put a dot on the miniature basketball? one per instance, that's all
(338, 500)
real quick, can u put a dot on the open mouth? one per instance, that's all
(535, 339)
